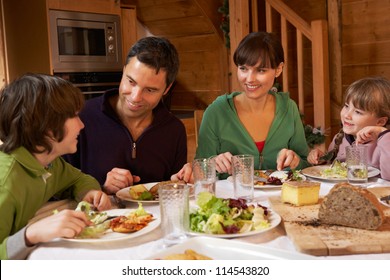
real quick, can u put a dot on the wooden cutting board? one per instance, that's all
(310, 237)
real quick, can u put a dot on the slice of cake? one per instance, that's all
(300, 193)
(351, 206)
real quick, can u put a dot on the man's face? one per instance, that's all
(140, 90)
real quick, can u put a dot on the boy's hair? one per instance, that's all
(34, 109)
(158, 53)
(371, 94)
(259, 46)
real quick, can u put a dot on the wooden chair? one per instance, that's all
(192, 125)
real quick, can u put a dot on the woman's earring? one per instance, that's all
(274, 89)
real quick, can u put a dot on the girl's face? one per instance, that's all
(354, 119)
(69, 144)
(257, 81)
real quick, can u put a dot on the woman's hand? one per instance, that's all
(369, 133)
(119, 178)
(66, 223)
(314, 156)
(287, 158)
(223, 163)
(185, 174)
(98, 199)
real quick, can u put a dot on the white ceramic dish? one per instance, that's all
(225, 249)
(282, 175)
(315, 173)
(109, 235)
(274, 219)
(124, 194)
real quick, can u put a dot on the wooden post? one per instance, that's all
(239, 28)
(320, 57)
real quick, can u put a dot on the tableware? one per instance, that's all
(243, 172)
(205, 177)
(124, 193)
(279, 174)
(274, 220)
(174, 209)
(356, 159)
(315, 173)
(225, 249)
(109, 235)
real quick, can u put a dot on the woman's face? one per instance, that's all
(257, 81)
(354, 119)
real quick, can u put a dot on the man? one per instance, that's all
(130, 136)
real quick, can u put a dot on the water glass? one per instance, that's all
(243, 169)
(174, 209)
(205, 176)
(356, 159)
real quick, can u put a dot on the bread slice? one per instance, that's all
(351, 206)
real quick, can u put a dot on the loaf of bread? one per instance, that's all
(351, 206)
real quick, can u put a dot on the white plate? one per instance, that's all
(110, 235)
(224, 249)
(315, 172)
(274, 220)
(279, 174)
(125, 194)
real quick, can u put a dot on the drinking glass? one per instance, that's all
(205, 176)
(356, 159)
(174, 208)
(243, 169)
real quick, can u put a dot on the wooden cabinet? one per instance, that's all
(26, 30)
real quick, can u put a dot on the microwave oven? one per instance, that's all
(85, 42)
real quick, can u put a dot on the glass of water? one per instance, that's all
(357, 168)
(205, 176)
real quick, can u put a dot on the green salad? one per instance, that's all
(338, 170)
(227, 216)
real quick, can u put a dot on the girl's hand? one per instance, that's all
(98, 199)
(287, 158)
(66, 223)
(314, 156)
(185, 174)
(369, 133)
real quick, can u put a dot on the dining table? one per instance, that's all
(149, 244)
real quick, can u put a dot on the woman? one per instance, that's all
(38, 124)
(259, 120)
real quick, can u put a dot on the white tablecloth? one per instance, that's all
(151, 243)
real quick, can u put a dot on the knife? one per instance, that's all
(385, 199)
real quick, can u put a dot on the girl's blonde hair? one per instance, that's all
(371, 94)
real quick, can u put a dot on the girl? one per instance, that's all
(364, 118)
(38, 124)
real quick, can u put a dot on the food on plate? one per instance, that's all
(351, 206)
(134, 221)
(188, 255)
(154, 189)
(277, 177)
(140, 192)
(227, 216)
(99, 220)
(300, 193)
(336, 170)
